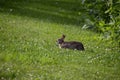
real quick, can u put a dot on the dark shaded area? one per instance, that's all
(62, 12)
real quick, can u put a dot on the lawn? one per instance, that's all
(28, 51)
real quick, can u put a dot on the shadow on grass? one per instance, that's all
(63, 12)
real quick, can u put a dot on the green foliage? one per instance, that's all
(105, 14)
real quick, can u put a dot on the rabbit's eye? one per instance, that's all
(60, 41)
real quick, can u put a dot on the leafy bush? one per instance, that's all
(105, 15)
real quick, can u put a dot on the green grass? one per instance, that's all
(28, 51)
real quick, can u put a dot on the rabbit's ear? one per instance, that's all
(63, 36)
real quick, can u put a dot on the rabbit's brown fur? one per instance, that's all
(70, 45)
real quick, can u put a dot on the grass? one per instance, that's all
(28, 51)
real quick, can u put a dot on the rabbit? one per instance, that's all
(70, 45)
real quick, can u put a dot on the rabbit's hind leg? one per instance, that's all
(80, 47)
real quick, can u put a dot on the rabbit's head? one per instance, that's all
(61, 40)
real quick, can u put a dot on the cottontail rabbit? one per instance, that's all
(69, 45)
